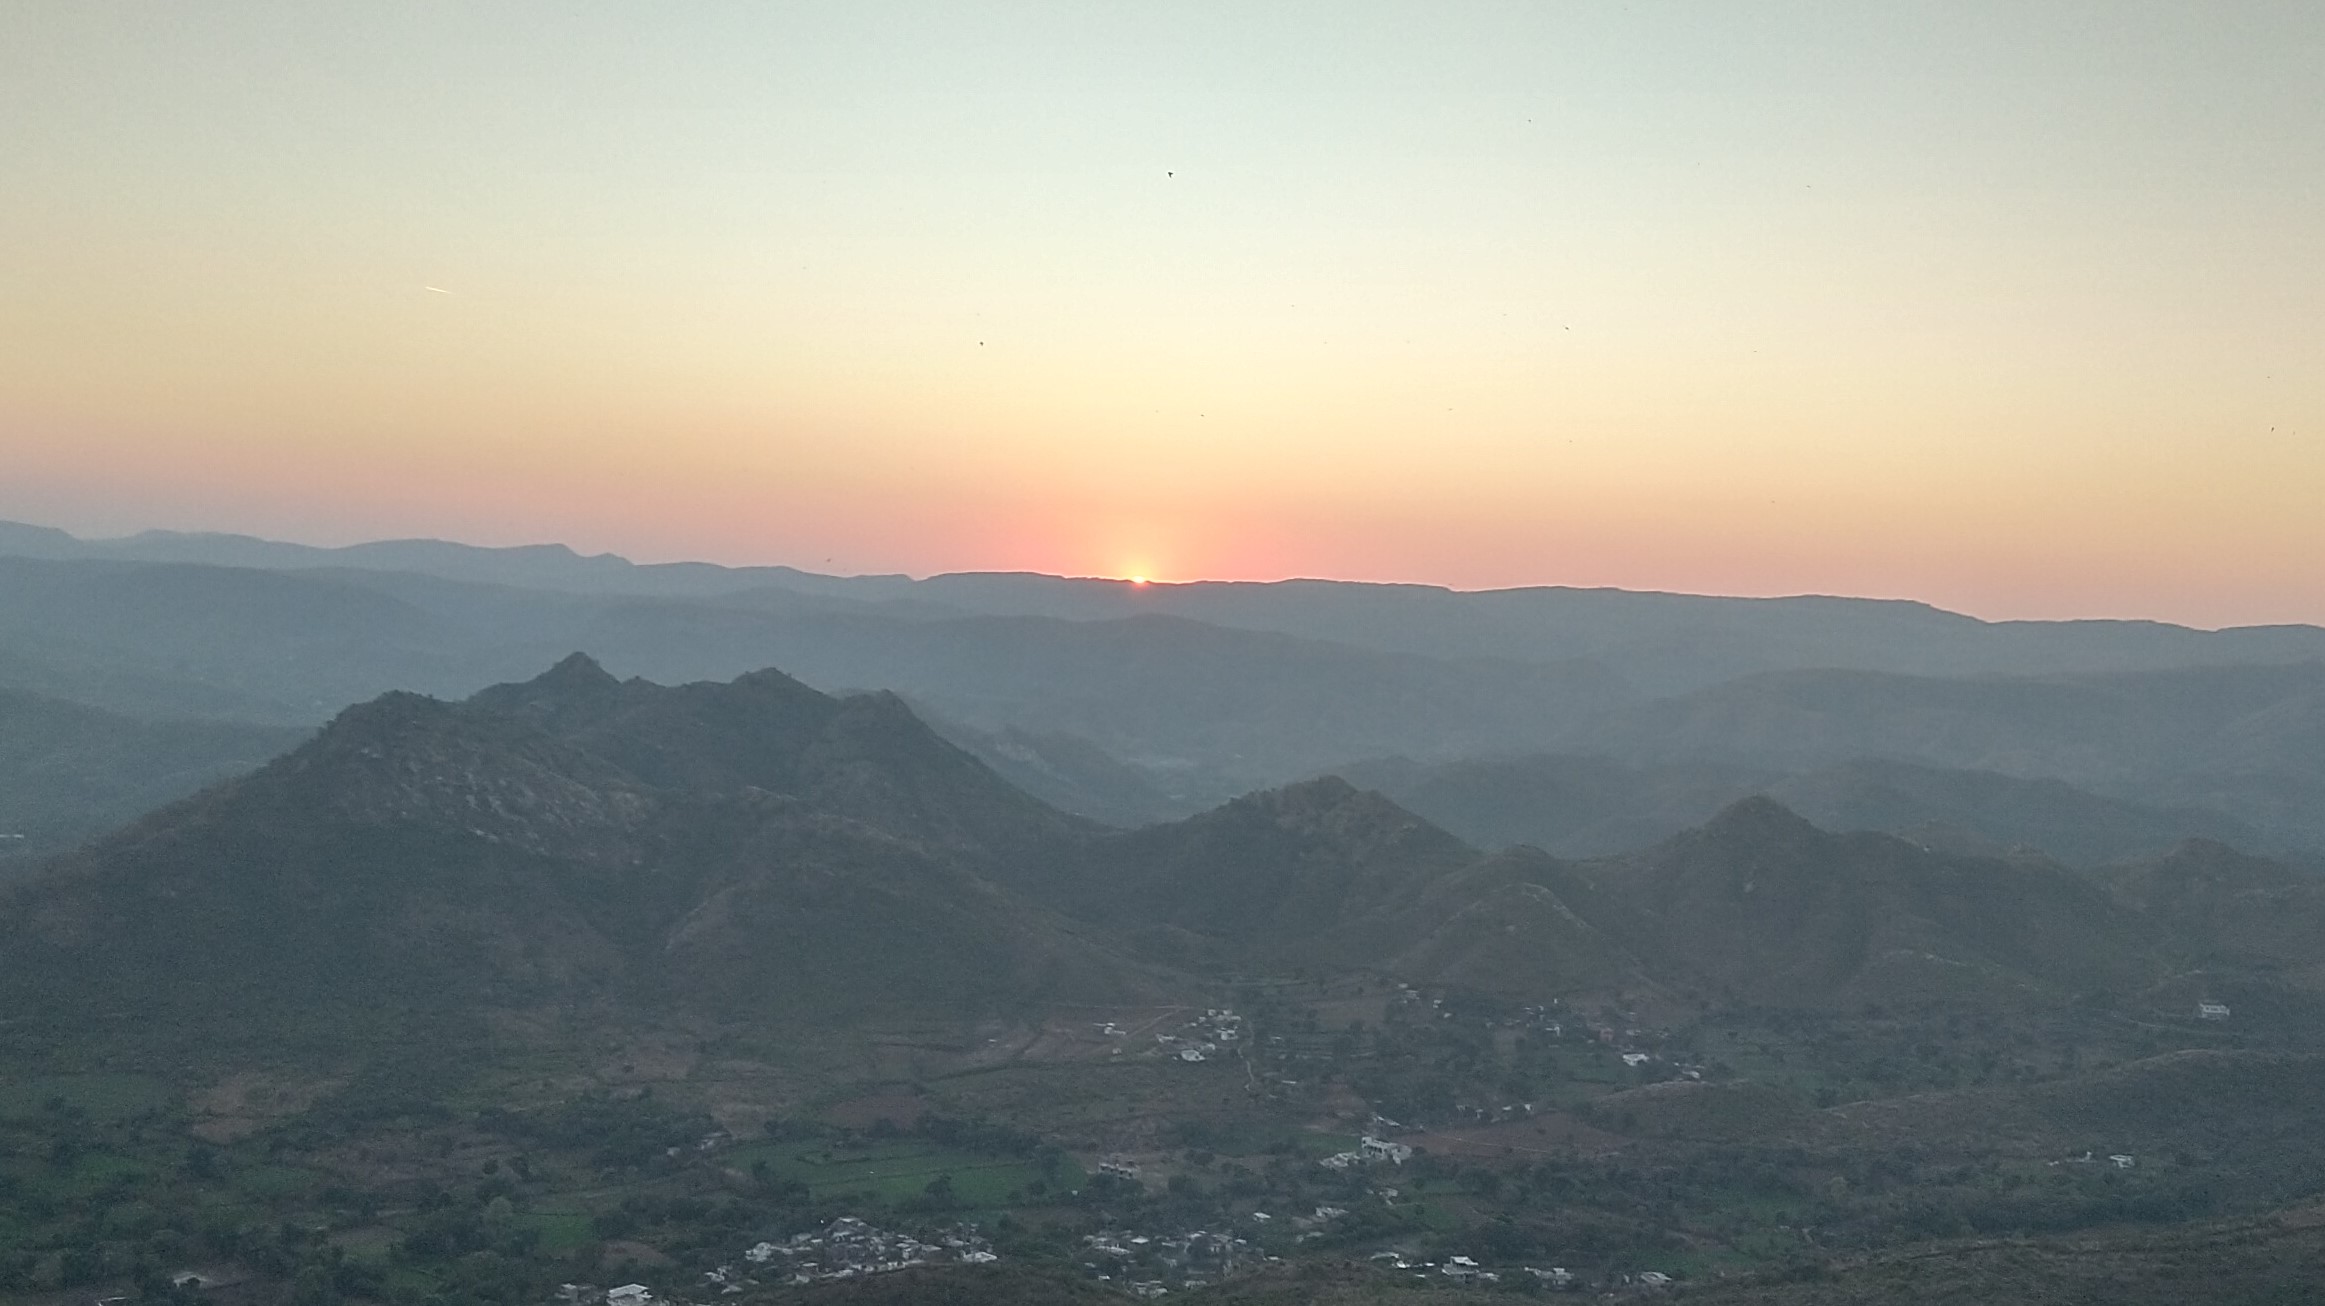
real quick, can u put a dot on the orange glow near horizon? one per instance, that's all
(1550, 295)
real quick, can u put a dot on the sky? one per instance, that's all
(2018, 309)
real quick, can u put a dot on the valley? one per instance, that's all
(590, 981)
(1225, 942)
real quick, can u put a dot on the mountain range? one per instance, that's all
(759, 850)
(1592, 806)
(757, 847)
(1663, 643)
(69, 772)
(1585, 722)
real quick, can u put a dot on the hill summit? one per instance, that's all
(754, 847)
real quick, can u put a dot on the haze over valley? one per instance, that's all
(1618, 718)
(1251, 654)
(1528, 888)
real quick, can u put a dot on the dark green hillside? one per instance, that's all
(812, 916)
(1988, 811)
(68, 772)
(866, 756)
(2266, 1260)
(1275, 870)
(2238, 740)
(1504, 926)
(753, 848)
(1763, 907)
(2244, 1119)
(1591, 806)
(2223, 906)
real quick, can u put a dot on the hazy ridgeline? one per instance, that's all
(1796, 949)
(1497, 713)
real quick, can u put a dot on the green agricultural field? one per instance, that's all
(273, 1182)
(1322, 1145)
(562, 1231)
(98, 1097)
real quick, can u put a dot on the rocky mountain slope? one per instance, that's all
(755, 849)
(759, 850)
(1761, 907)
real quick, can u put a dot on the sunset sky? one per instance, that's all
(2019, 309)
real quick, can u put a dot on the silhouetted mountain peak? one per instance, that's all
(882, 710)
(2198, 849)
(408, 761)
(769, 680)
(575, 671)
(2206, 865)
(576, 685)
(757, 846)
(381, 720)
(1760, 820)
(1330, 811)
(1320, 794)
(1282, 864)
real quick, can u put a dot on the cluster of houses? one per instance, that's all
(1557, 1278)
(1369, 1151)
(1148, 1266)
(1618, 1033)
(2119, 1160)
(1205, 1036)
(850, 1248)
(629, 1294)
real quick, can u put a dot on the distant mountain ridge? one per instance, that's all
(2247, 742)
(1592, 806)
(1663, 642)
(1137, 704)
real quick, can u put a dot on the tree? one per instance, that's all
(313, 1286)
(201, 1163)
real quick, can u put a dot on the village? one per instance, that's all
(847, 1248)
(1387, 1127)
(1218, 1031)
